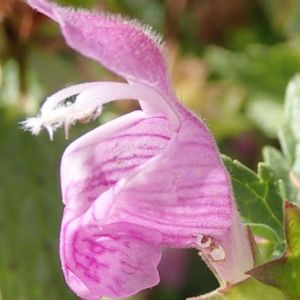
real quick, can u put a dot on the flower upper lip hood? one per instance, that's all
(146, 180)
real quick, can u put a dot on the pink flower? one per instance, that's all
(150, 179)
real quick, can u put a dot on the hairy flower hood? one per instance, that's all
(149, 179)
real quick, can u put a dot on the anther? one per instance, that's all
(218, 253)
(203, 241)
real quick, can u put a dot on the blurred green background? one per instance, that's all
(230, 62)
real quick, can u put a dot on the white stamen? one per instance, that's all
(59, 97)
(60, 116)
(33, 124)
(57, 112)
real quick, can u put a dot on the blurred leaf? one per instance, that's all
(286, 165)
(30, 212)
(263, 71)
(62, 71)
(267, 243)
(292, 119)
(284, 15)
(79, 3)
(287, 141)
(10, 85)
(59, 69)
(248, 289)
(268, 122)
(259, 196)
(223, 108)
(211, 101)
(276, 160)
(280, 165)
(284, 273)
(150, 12)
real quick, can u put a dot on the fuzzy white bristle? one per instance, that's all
(61, 111)
(64, 116)
(57, 112)
(34, 125)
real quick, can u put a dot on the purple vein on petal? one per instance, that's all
(135, 135)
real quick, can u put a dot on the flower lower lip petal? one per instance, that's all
(112, 260)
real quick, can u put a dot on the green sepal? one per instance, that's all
(284, 272)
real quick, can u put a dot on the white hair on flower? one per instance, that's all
(145, 29)
(59, 110)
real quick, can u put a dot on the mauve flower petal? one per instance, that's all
(116, 260)
(143, 169)
(124, 47)
(184, 191)
(99, 159)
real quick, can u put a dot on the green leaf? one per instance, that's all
(258, 196)
(284, 273)
(248, 289)
(268, 244)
